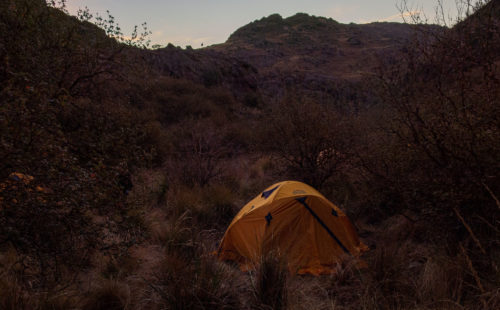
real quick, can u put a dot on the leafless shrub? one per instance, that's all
(443, 133)
(200, 149)
(307, 139)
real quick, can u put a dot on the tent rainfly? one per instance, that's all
(299, 223)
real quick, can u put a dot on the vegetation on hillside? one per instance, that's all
(118, 178)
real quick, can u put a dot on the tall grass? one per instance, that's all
(270, 282)
(109, 295)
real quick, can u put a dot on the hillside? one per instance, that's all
(121, 167)
(313, 55)
(303, 44)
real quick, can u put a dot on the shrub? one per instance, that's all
(63, 131)
(200, 150)
(434, 154)
(307, 139)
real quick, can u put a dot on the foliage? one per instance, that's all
(138, 38)
(444, 102)
(76, 152)
(439, 124)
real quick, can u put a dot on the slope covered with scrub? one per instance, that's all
(121, 167)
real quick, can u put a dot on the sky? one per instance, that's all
(207, 22)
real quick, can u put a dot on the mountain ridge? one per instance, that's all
(273, 54)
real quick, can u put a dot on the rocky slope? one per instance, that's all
(273, 56)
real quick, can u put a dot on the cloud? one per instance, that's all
(157, 34)
(343, 13)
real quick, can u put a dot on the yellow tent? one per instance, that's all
(297, 221)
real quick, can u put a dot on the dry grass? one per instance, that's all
(188, 282)
(173, 267)
(270, 282)
(110, 295)
(12, 296)
(401, 274)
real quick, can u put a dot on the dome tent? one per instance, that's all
(312, 233)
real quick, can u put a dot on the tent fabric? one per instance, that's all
(299, 223)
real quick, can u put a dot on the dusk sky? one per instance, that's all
(193, 22)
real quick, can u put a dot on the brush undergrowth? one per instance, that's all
(115, 187)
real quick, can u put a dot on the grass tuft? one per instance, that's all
(111, 295)
(271, 278)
